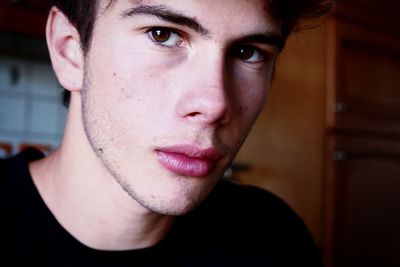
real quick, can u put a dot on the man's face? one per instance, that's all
(172, 89)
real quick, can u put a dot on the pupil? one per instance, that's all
(246, 53)
(161, 35)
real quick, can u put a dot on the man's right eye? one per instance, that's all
(165, 37)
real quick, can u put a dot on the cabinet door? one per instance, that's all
(23, 16)
(362, 190)
(367, 202)
(364, 92)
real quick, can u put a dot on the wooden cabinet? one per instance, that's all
(365, 79)
(366, 222)
(26, 17)
(362, 189)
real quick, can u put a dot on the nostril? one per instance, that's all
(210, 117)
(194, 114)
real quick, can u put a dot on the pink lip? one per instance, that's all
(188, 160)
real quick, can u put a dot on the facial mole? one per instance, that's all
(126, 94)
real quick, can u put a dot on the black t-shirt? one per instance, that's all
(236, 225)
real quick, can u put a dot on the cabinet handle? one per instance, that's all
(340, 155)
(341, 107)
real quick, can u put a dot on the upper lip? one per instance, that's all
(191, 151)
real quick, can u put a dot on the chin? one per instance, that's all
(168, 208)
(177, 202)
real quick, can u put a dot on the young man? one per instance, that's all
(162, 95)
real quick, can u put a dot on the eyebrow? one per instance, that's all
(274, 39)
(164, 13)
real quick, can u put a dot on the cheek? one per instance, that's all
(248, 101)
(251, 94)
(131, 75)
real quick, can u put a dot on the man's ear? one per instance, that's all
(65, 51)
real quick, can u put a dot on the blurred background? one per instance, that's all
(328, 141)
(30, 109)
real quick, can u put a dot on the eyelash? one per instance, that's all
(236, 52)
(170, 32)
(239, 51)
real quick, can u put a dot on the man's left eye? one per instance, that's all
(249, 54)
(164, 37)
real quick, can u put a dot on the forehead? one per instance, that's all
(221, 16)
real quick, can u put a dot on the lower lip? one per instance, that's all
(184, 165)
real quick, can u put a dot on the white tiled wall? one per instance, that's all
(30, 104)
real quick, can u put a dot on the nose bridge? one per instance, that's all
(207, 98)
(215, 72)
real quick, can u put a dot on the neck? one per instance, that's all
(86, 199)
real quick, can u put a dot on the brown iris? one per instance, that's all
(245, 53)
(161, 35)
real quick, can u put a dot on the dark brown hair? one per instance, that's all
(82, 14)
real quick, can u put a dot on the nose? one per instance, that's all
(205, 98)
